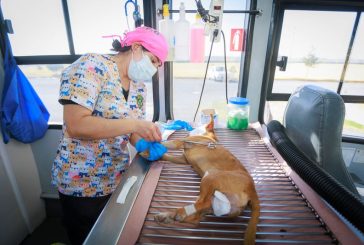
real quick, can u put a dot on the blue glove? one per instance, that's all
(156, 149)
(142, 145)
(178, 125)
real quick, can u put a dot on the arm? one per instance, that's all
(134, 138)
(81, 124)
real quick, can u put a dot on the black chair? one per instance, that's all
(313, 121)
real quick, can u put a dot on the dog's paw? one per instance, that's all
(144, 154)
(165, 218)
(179, 217)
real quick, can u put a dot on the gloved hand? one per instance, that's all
(177, 125)
(156, 149)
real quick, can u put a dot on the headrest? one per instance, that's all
(314, 120)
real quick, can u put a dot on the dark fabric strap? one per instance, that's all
(66, 102)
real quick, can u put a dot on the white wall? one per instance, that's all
(44, 151)
(13, 226)
(22, 209)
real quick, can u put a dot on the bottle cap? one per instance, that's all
(165, 10)
(238, 101)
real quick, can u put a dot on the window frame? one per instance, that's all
(279, 7)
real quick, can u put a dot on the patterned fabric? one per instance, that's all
(91, 168)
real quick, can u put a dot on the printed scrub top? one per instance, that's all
(91, 168)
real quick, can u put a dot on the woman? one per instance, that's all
(103, 98)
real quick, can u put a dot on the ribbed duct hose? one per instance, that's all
(345, 202)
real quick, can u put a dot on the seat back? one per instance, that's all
(313, 121)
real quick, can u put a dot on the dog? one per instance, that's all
(226, 186)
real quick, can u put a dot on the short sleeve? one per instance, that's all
(81, 82)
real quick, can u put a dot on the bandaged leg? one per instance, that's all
(191, 213)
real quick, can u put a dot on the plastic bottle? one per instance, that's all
(167, 29)
(182, 36)
(238, 113)
(197, 43)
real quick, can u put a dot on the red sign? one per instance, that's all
(236, 39)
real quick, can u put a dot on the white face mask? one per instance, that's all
(142, 70)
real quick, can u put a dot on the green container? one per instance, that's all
(238, 113)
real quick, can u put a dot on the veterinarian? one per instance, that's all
(103, 98)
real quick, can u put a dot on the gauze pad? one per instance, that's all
(220, 204)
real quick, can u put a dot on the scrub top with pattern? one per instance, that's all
(91, 168)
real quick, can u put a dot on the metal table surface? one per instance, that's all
(291, 212)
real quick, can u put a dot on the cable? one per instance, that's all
(204, 80)
(226, 80)
(138, 21)
(200, 9)
(205, 14)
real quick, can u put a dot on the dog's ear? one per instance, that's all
(210, 128)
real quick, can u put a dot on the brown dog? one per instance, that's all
(224, 180)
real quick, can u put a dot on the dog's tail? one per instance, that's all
(249, 238)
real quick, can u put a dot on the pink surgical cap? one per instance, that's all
(150, 39)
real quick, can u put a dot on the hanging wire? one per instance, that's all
(204, 80)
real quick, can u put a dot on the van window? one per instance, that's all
(88, 23)
(314, 58)
(34, 24)
(188, 77)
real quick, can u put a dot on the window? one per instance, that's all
(188, 76)
(92, 19)
(312, 55)
(40, 29)
(316, 43)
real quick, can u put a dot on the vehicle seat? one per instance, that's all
(313, 121)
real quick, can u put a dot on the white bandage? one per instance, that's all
(220, 204)
(190, 209)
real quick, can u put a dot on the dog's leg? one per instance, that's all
(202, 207)
(191, 213)
(173, 144)
(174, 159)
